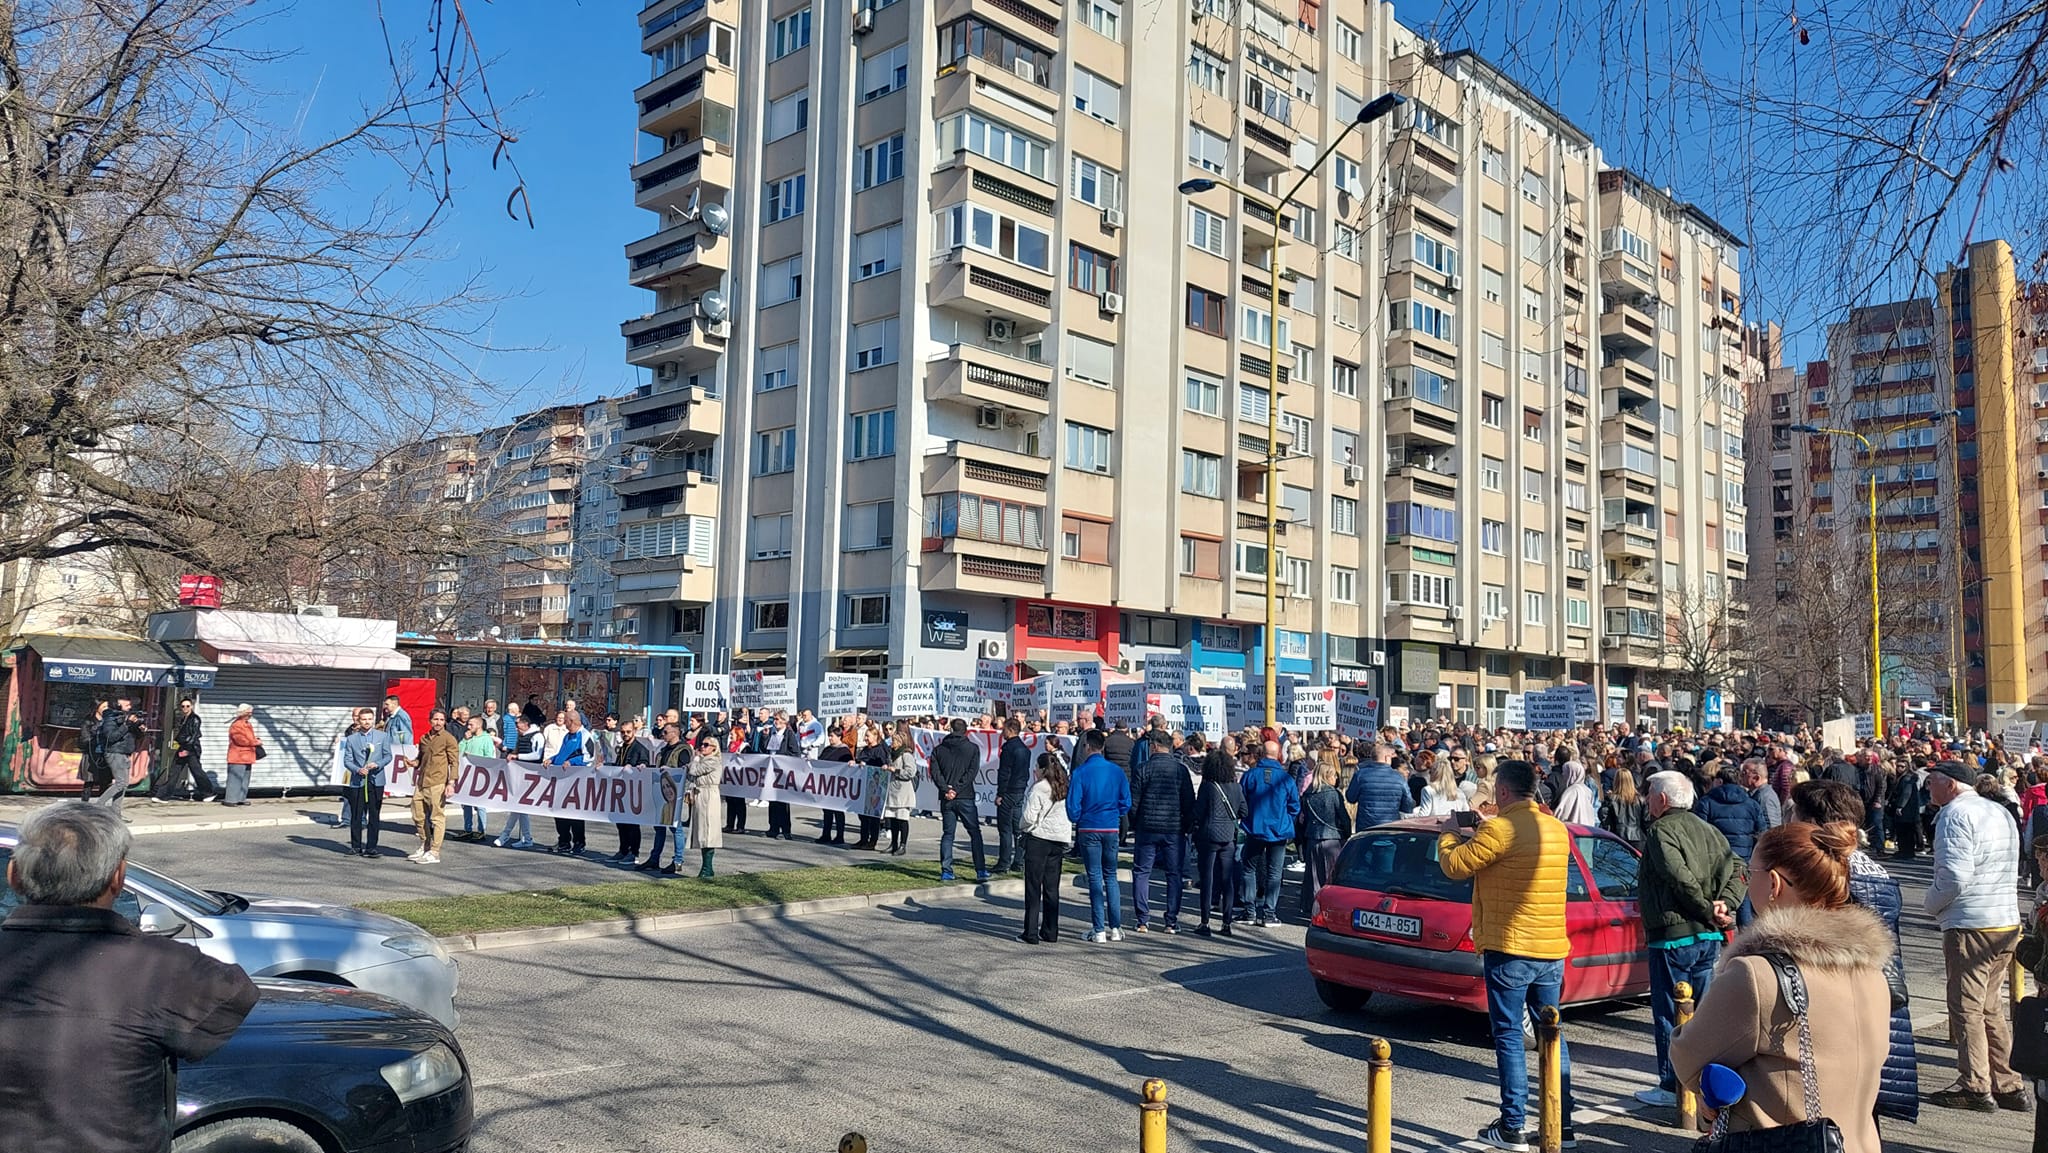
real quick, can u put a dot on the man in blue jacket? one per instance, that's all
(1272, 801)
(1098, 797)
(1378, 791)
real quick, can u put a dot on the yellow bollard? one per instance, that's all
(1688, 1101)
(1549, 1048)
(1152, 1118)
(1379, 1099)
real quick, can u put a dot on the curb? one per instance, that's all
(140, 830)
(668, 922)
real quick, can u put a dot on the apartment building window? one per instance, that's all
(1084, 539)
(1490, 285)
(1251, 559)
(1344, 309)
(867, 610)
(1251, 403)
(1343, 446)
(1106, 17)
(777, 366)
(1493, 349)
(1300, 578)
(1344, 516)
(1091, 271)
(1493, 224)
(1201, 557)
(873, 344)
(1421, 588)
(1343, 585)
(768, 536)
(1091, 360)
(1350, 44)
(1344, 240)
(1303, 225)
(1255, 326)
(1301, 432)
(1201, 474)
(1347, 107)
(789, 34)
(1096, 186)
(785, 198)
(1204, 394)
(884, 72)
(881, 162)
(1207, 311)
(1535, 609)
(870, 525)
(1532, 245)
(782, 281)
(1578, 613)
(986, 230)
(1406, 518)
(1206, 150)
(1304, 357)
(984, 518)
(1532, 425)
(1490, 468)
(999, 142)
(1492, 410)
(1493, 537)
(1435, 254)
(1532, 364)
(1671, 531)
(982, 40)
(1493, 602)
(1427, 319)
(1532, 304)
(1576, 496)
(1344, 177)
(771, 615)
(1343, 378)
(871, 435)
(878, 250)
(1208, 71)
(1205, 230)
(775, 451)
(1088, 448)
(1532, 187)
(1493, 163)
(1532, 484)
(1094, 96)
(789, 115)
(1535, 544)
(1299, 504)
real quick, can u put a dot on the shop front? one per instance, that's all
(604, 678)
(1048, 633)
(58, 681)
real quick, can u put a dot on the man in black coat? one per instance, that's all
(92, 1012)
(1162, 815)
(1013, 781)
(184, 763)
(120, 733)
(955, 767)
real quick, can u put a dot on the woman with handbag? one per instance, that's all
(1218, 805)
(244, 750)
(1045, 832)
(1799, 1006)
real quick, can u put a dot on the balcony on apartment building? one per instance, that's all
(1630, 536)
(665, 19)
(684, 257)
(1424, 470)
(673, 420)
(1630, 583)
(1268, 120)
(1422, 406)
(1423, 163)
(1013, 473)
(1037, 17)
(1644, 646)
(1622, 273)
(1625, 380)
(673, 491)
(987, 63)
(985, 543)
(703, 167)
(986, 284)
(661, 579)
(983, 378)
(680, 335)
(971, 176)
(696, 97)
(1626, 324)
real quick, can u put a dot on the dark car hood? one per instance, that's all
(295, 1005)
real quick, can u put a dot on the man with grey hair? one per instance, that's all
(1687, 884)
(93, 1013)
(1756, 777)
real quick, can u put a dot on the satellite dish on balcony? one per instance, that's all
(716, 219)
(711, 306)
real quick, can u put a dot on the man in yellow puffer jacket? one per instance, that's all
(1517, 862)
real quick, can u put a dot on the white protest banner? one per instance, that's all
(746, 689)
(844, 694)
(961, 698)
(1839, 734)
(1315, 708)
(778, 694)
(837, 786)
(1076, 683)
(1513, 716)
(992, 677)
(1169, 674)
(989, 744)
(915, 696)
(2017, 738)
(881, 699)
(1866, 726)
(1549, 711)
(1126, 705)
(582, 792)
(1398, 716)
(706, 693)
(1358, 713)
(1190, 714)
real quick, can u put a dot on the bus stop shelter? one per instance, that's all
(603, 678)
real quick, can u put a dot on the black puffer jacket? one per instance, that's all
(1898, 1090)
(1162, 797)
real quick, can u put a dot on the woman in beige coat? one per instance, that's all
(701, 782)
(1799, 885)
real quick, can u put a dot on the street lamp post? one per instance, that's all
(1374, 110)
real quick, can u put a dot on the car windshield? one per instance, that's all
(1399, 864)
(204, 903)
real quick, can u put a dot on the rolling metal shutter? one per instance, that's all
(299, 713)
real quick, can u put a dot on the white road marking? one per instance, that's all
(545, 1074)
(1183, 984)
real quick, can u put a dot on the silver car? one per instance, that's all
(283, 937)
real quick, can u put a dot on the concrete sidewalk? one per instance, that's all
(146, 818)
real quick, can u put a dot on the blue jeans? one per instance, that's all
(1165, 850)
(955, 811)
(1516, 986)
(521, 821)
(1098, 856)
(1264, 862)
(1693, 964)
(473, 820)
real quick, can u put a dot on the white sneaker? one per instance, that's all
(1296, 867)
(1657, 1096)
(499, 841)
(431, 859)
(416, 854)
(1116, 934)
(1095, 938)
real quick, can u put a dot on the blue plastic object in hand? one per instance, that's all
(1721, 1087)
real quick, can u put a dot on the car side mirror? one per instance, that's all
(159, 920)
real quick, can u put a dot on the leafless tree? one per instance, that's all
(1703, 643)
(201, 344)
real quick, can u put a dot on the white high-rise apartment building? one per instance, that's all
(942, 365)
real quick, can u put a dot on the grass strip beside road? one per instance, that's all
(618, 900)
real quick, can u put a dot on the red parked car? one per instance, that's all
(1389, 921)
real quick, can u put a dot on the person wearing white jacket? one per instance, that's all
(1046, 831)
(1974, 895)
